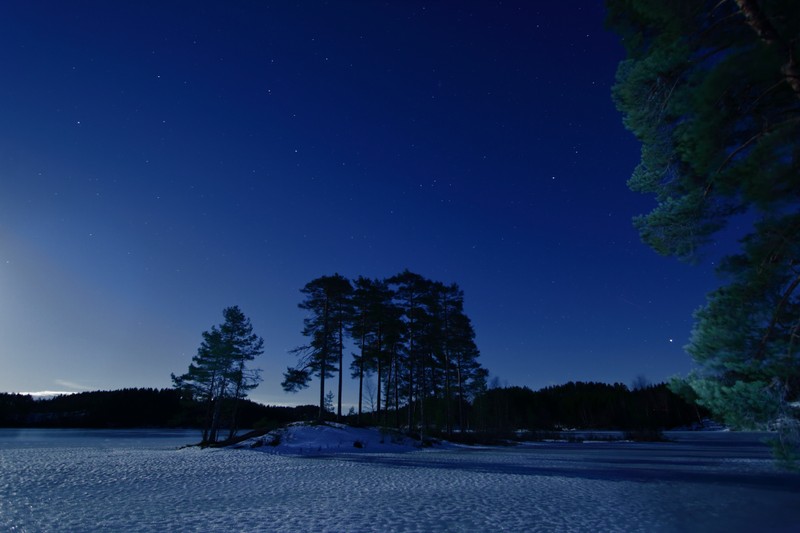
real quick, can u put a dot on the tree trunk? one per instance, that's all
(422, 395)
(234, 409)
(341, 358)
(361, 378)
(396, 391)
(323, 368)
(447, 400)
(446, 354)
(237, 394)
(410, 400)
(460, 395)
(209, 416)
(215, 420)
(379, 356)
(388, 392)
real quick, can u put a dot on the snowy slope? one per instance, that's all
(304, 438)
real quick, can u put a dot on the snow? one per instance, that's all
(311, 439)
(316, 481)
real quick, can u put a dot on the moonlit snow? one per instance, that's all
(317, 481)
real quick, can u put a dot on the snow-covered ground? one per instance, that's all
(701, 482)
(315, 439)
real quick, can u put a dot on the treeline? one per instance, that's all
(133, 408)
(580, 405)
(412, 334)
(493, 411)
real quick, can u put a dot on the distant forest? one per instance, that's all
(131, 408)
(498, 410)
(581, 405)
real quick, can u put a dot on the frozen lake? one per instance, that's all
(68, 480)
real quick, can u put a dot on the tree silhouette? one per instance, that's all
(219, 371)
(328, 302)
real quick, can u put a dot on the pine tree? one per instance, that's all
(242, 346)
(461, 354)
(328, 301)
(410, 290)
(412, 332)
(373, 321)
(747, 336)
(206, 381)
(363, 332)
(712, 90)
(219, 371)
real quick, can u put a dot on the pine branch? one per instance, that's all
(785, 298)
(751, 140)
(791, 73)
(794, 334)
(758, 21)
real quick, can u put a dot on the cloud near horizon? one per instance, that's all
(46, 394)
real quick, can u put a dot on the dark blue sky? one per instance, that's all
(160, 161)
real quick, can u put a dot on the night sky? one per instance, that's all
(160, 161)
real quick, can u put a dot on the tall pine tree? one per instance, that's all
(712, 90)
(410, 290)
(373, 324)
(328, 302)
